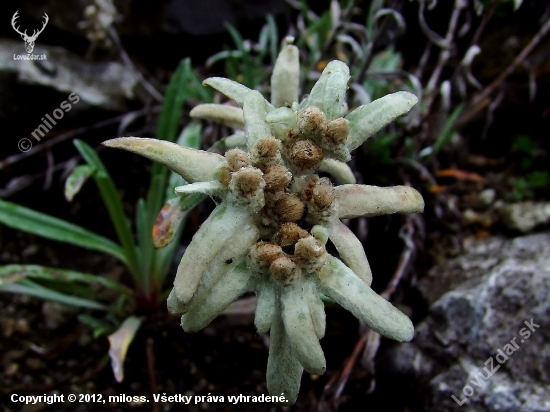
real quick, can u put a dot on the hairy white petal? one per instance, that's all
(363, 200)
(229, 257)
(286, 77)
(281, 121)
(193, 165)
(227, 115)
(350, 249)
(222, 231)
(266, 305)
(316, 307)
(175, 307)
(300, 328)
(235, 91)
(284, 371)
(329, 92)
(226, 290)
(339, 283)
(368, 119)
(208, 188)
(340, 171)
(255, 109)
(236, 140)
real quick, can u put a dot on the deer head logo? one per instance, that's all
(29, 40)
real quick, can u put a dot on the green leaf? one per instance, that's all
(29, 288)
(13, 273)
(172, 105)
(49, 227)
(113, 202)
(76, 180)
(99, 327)
(248, 72)
(524, 144)
(447, 130)
(145, 243)
(191, 135)
(183, 84)
(273, 37)
(538, 179)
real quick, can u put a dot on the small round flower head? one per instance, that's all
(288, 208)
(309, 254)
(323, 194)
(263, 254)
(319, 197)
(337, 132)
(289, 234)
(277, 177)
(247, 186)
(304, 155)
(236, 159)
(265, 152)
(318, 192)
(283, 270)
(312, 121)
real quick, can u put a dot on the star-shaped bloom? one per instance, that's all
(268, 233)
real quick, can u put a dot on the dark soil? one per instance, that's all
(46, 350)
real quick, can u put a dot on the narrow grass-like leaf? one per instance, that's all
(145, 243)
(113, 202)
(98, 326)
(248, 64)
(273, 37)
(172, 105)
(167, 129)
(447, 130)
(14, 273)
(29, 288)
(49, 227)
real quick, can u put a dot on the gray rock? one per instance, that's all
(108, 85)
(525, 216)
(486, 340)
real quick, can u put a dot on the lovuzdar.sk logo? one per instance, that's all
(29, 40)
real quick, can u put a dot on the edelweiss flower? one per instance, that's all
(268, 233)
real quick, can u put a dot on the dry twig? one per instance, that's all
(482, 100)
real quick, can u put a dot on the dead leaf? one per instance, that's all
(119, 342)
